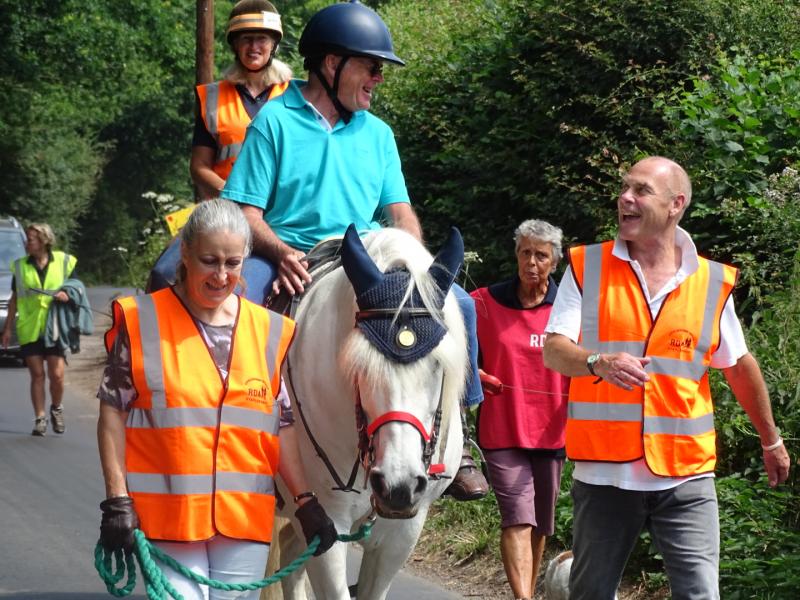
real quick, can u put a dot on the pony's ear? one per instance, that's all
(358, 266)
(448, 261)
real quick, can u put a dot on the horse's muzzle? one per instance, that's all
(397, 500)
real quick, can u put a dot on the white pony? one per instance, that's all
(392, 462)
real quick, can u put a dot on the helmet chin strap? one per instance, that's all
(333, 91)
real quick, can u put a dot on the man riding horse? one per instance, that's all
(315, 160)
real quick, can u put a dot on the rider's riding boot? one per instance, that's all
(469, 483)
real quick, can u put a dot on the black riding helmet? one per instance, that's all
(258, 16)
(345, 29)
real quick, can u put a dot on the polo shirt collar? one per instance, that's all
(293, 98)
(689, 262)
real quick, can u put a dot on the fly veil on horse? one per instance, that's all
(383, 338)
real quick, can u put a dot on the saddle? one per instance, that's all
(322, 259)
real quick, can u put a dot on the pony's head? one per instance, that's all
(407, 357)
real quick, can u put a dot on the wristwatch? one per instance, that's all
(590, 362)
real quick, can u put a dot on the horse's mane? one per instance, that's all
(392, 248)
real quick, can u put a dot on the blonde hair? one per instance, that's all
(46, 235)
(277, 72)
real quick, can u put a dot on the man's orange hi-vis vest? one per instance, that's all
(671, 420)
(201, 452)
(226, 119)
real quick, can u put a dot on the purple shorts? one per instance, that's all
(526, 486)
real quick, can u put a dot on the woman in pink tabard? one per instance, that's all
(521, 422)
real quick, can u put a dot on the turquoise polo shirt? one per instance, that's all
(312, 183)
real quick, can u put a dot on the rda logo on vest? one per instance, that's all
(257, 391)
(681, 340)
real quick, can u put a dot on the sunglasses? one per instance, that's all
(376, 68)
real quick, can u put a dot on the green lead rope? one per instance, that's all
(155, 582)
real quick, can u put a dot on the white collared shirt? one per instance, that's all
(565, 319)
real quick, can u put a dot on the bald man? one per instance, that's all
(637, 323)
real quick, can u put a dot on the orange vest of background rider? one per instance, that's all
(226, 119)
(671, 420)
(201, 452)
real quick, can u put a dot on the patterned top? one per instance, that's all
(116, 388)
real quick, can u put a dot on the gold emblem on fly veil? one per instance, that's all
(406, 338)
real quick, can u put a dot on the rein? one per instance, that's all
(341, 486)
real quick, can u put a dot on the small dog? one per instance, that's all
(556, 577)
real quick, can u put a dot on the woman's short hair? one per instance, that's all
(211, 216)
(541, 231)
(46, 235)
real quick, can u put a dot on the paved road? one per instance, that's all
(49, 491)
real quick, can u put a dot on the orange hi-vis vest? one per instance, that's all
(226, 119)
(670, 421)
(201, 452)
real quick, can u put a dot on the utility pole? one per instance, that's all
(204, 51)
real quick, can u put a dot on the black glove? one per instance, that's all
(316, 522)
(117, 525)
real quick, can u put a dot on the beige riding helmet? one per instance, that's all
(253, 15)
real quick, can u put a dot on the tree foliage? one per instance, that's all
(518, 109)
(95, 101)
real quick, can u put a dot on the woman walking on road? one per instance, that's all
(193, 427)
(42, 270)
(521, 423)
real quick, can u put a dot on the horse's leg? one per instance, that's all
(328, 574)
(293, 586)
(273, 592)
(385, 552)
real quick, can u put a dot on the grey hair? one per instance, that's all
(541, 231)
(215, 215)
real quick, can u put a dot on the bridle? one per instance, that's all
(366, 431)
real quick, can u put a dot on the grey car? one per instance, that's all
(12, 247)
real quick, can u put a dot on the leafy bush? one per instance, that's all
(762, 236)
(738, 124)
(513, 109)
(772, 338)
(138, 258)
(760, 540)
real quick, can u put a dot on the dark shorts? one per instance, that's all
(526, 485)
(37, 349)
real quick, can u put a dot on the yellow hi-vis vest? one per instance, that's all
(670, 421)
(226, 119)
(201, 452)
(32, 306)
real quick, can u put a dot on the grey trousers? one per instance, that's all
(683, 522)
